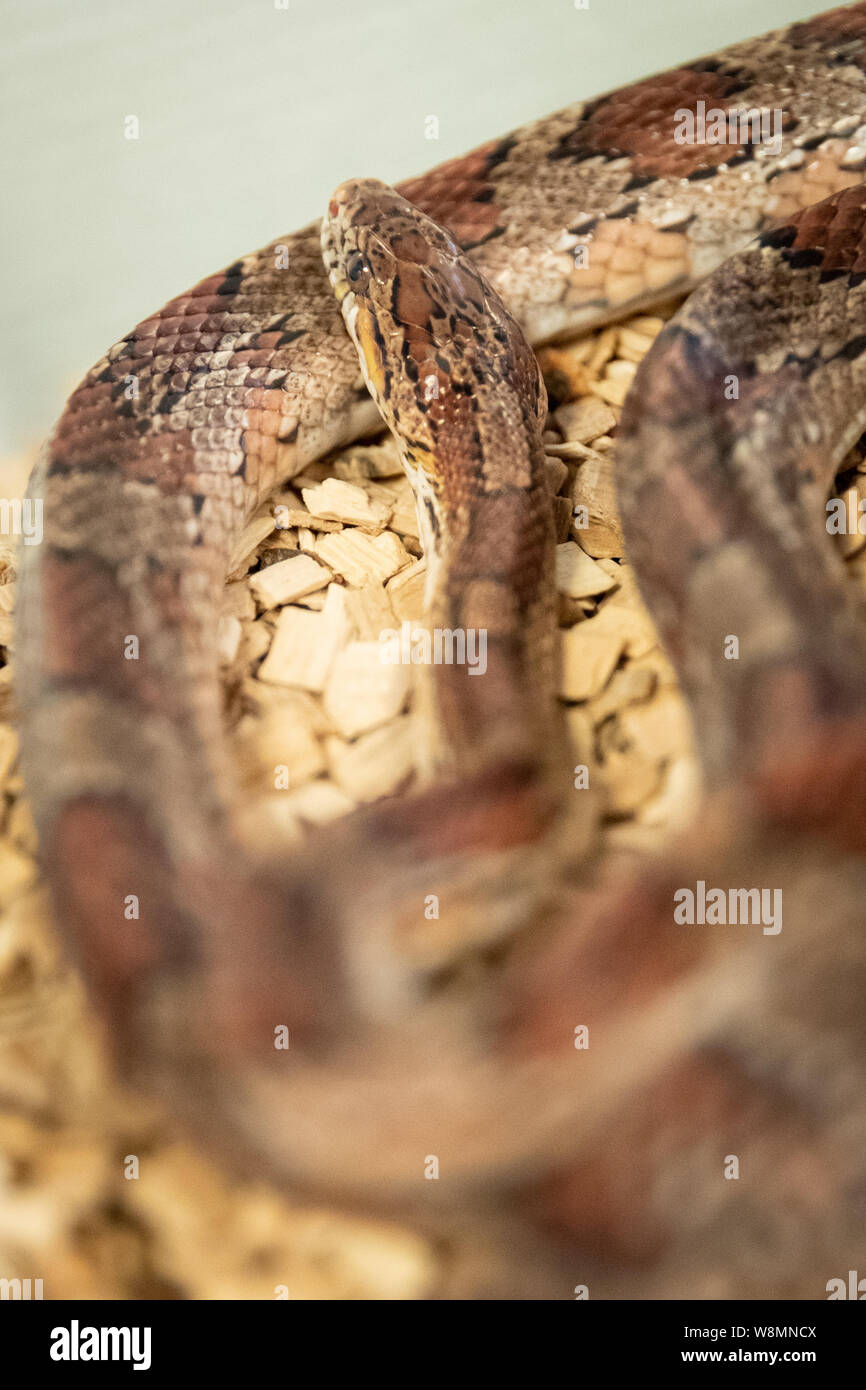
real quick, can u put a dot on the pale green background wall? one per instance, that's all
(250, 115)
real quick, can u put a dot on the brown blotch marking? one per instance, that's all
(87, 618)
(611, 958)
(606, 1202)
(640, 121)
(459, 194)
(505, 541)
(100, 851)
(81, 445)
(411, 246)
(497, 809)
(835, 227)
(412, 307)
(844, 28)
(819, 789)
(682, 378)
(280, 973)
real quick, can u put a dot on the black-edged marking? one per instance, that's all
(639, 181)
(627, 210)
(482, 241)
(706, 171)
(805, 259)
(812, 142)
(855, 348)
(778, 238)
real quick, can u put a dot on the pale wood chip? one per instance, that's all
(252, 536)
(659, 664)
(8, 751)
(288, 580)
(595, 520)
(603, 349)
(588, 660)
(359, 557)
(316, 601)
(8, 560)
(581, 733)
(613, 391)
(557, 472)
(571, 450)
(629, 780)
(237, 601)
(583, 421)
(621, 371)
(578, 351)
(577, 574)
(291, 706)
(678, 801)
(336, 500)
(615, 568)
(17, 872)
(371, 610)
(399, 495)
(299, 516)
(362, 690)
(269, 823)
(360, 462)
(406, 592)
(319, 802)
(627, 686)
(633, 345)
(565, 370)
(255, 640)
(377, 764)
(632, 627)
(308, 540)
(660, 728)
(627, 595)
(573, 610)
(646, 324)
(305, 644)
(283, 751)
(229, 632)
(562, 518)
(21, 827)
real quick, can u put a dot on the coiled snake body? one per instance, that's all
(703, 1044)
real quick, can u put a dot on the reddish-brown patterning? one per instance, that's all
(704, 1042)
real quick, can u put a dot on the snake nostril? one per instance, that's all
(333, 207)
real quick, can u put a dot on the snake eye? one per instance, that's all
(356, 266)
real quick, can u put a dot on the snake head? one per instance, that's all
(430, 332)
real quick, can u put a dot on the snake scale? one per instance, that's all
(606, 1164)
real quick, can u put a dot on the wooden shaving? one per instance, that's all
(360, 558)
(335, 500)
(288, 580)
